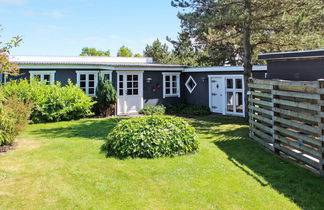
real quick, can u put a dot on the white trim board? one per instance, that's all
(178, 94)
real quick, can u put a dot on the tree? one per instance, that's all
(106, 97)
(254, 26)
(94, 52)
(124, 52)
(6, 67)
(158, 51)
(137, 55)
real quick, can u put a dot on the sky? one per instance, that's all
(64, 27)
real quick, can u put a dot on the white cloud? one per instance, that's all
(14, 2)
(54, 14)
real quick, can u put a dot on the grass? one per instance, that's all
(59, 166)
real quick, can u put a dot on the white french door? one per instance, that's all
(130, 92)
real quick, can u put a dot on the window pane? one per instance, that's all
(230, 83)
(167, 84)
(82, 84)
(121, 85)
(174, 84)
(129, 92)
(82, 77)
(230, 101)
(174, 78)
(135, 92)
(91, 76)
(135, 77)
(121, 78)
(129, 77)
(84, 90)
(106, 77)
(121, 92)
(167, 78)
(167, 90)
(37, 77)
(239, 102)
(91, 90)
(91, 84)
(174, 91)
(135, 84)
(238, 83)
(129, 85)
(47, 77)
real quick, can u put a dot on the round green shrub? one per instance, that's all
(151, 137)
(153, 110)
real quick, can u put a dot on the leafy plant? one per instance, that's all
(52, 102)
(13, 118)
(189, 109)
(151, 110)
(106, 97)
(151, 137)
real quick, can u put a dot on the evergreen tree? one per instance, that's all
(158, 51)
(106, 97)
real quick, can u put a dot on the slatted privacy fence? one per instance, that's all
(287, 117)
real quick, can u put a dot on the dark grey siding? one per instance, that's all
(152, 97)
(200, 95)
(298, 69)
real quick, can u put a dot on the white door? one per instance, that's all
(216, 93)
(130, 92)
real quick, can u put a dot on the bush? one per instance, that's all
(151, 110)
(106, 97)
(188, 109)
(52, 102)
(151, 137)
(13, 118)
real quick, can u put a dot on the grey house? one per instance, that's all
(140, 81)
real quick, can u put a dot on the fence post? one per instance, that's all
(321, 125)
(276, 143)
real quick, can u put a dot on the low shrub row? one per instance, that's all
(153, 110)
(188, 109)
(151, 137)
(52, 103)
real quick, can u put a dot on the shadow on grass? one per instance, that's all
(92, 129)
(298, 184)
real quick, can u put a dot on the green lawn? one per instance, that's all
(59, 166)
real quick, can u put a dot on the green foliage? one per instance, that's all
(5, 47)
(138, 55)
(124, 52)
(106, 97)
(220, 27)
(151, 137)
(52, 102)
(153, 110)
(158, 51)
(94, 52)
(14, 116)
(188, 109)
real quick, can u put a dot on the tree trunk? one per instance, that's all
(247, 54)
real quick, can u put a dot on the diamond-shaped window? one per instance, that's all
(191, 84)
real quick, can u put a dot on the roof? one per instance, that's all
(225, 69)
(293, 55)
(89, 60)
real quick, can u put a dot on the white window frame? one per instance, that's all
(187, 84)
(234, 90)
(87, 80)
(177, 74)
(42, 73)
(103, 73)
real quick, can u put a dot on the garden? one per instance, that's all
(59, 158)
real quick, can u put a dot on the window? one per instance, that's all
(234, 95)
(88, 81)
(106, 75)
(191, 84)
(43, 76)
(171, 85)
